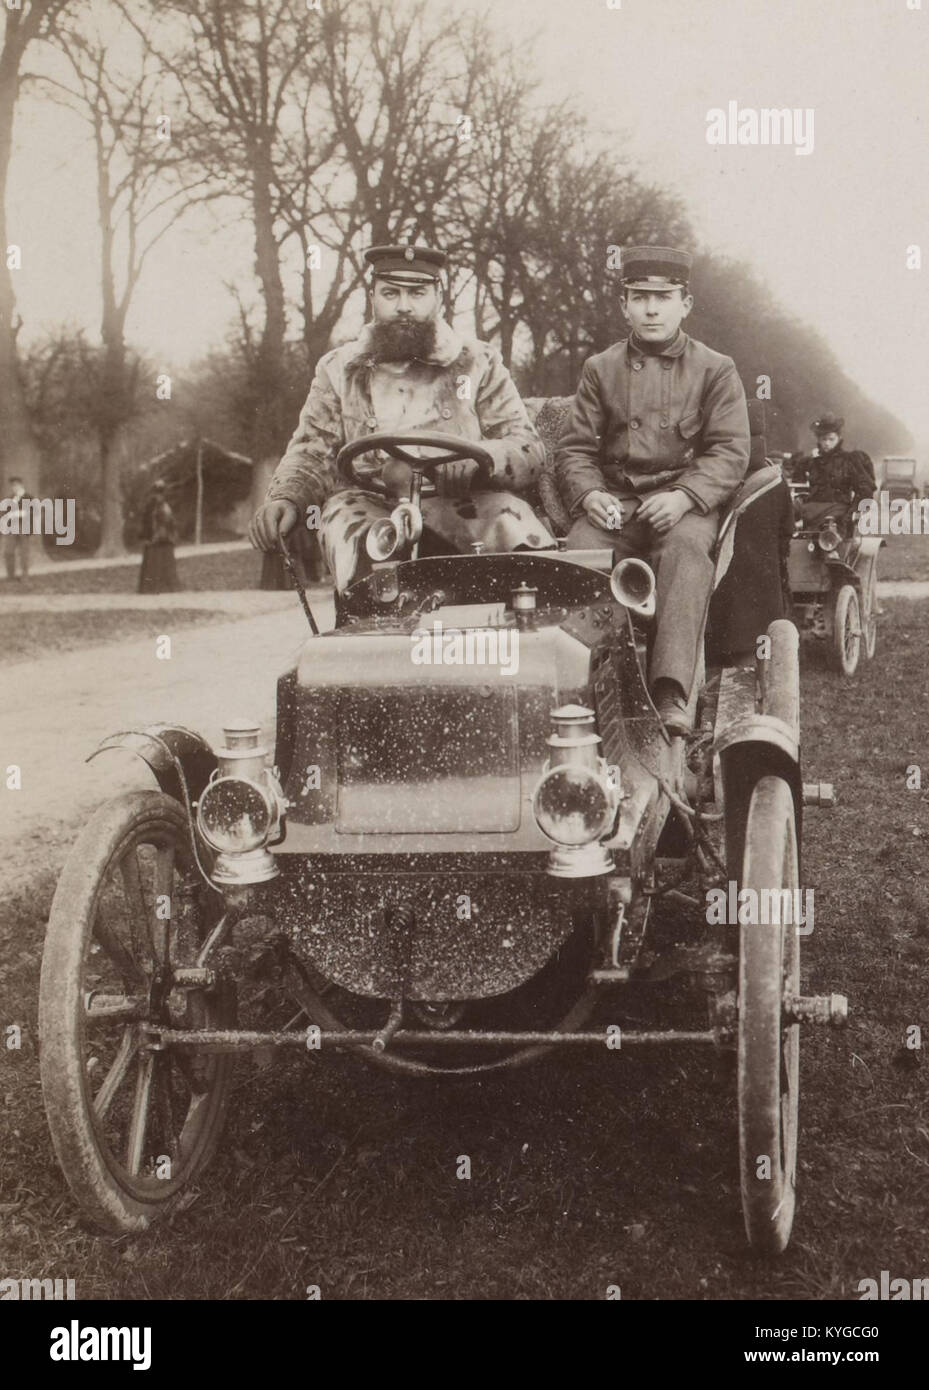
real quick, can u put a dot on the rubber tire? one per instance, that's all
(102, 1198)
(869, 616)
(846, 613)
(769, 964)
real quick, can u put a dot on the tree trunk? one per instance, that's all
(111, 531)
(19, 450)
(266, 433)
(198, 516)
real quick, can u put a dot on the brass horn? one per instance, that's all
(390, 534)
(633, 584)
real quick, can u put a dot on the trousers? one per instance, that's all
(684, 569)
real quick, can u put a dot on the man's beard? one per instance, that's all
(403, 339)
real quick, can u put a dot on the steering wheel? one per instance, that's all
(453, 446)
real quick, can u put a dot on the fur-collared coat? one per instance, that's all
(462, 389)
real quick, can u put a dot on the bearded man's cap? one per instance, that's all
(406, 265)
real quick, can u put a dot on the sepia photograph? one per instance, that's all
(464, 614)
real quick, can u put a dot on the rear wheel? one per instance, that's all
(845, 647)
(131, 1126)
(768, 1049)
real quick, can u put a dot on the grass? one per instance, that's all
(25, 636)
(904, 557)
(585, 1171)
(225, 569)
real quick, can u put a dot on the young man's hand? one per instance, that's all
(271, 522)
(662, 510)
(603, 510)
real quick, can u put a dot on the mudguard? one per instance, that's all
(181, 760)
(751, 743)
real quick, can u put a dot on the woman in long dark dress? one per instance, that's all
(158, 574)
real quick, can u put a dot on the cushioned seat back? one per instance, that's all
(548, 414)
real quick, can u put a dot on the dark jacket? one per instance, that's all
(844, 476)
(158, 524)
(644, 422)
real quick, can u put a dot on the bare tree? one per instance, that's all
(398, 85)
(35, 20)
(240, 64)
(140, 192)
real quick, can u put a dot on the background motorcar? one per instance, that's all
(899, 477)
(832, 573)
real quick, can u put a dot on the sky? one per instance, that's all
(827, 230)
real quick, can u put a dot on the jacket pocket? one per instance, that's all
(691, 424)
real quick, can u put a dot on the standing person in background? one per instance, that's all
(17, 543)
(158, 574)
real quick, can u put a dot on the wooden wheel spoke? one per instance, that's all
(165, 1099)
(114, 1078)
(138, 1126)
(128, 967)
(139, 914)
(114, 1008)
(163, 904)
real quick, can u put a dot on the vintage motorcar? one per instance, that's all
(832, 571)
(898, 477)
(451, 867)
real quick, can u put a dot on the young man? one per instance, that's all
(408, 371)
(656, 444)
(838, 478)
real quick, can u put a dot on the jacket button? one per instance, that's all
(446, 414)
(664, 422)
(637, 366)
(371, 423)
(666, 366)
(634, 424)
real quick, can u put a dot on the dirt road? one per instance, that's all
(55, 711)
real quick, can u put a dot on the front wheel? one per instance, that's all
(131, 1126)
(845, 647)
(769, 1049)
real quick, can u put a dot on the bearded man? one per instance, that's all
(409, 370)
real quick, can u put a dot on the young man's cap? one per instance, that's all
(406, 265)
(828, 424)
(655, 267)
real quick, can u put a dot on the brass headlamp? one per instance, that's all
(240, 809)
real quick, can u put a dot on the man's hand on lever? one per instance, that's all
(271, 523)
